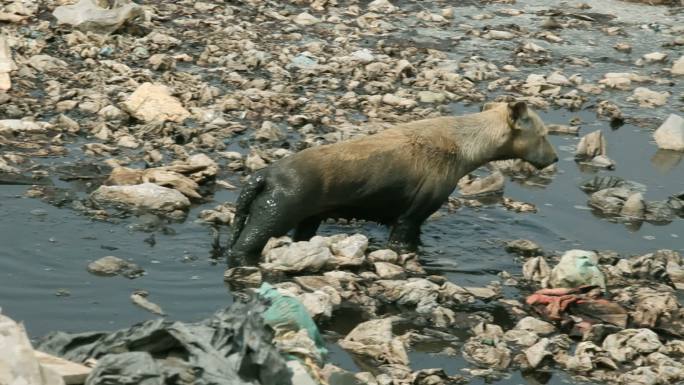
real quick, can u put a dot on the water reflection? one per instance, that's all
(666, 160)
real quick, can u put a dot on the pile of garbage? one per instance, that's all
(268, 337)
(623, 200)
(234, 346)
(625, 312)
(594, 315)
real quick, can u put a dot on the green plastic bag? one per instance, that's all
(289, 314)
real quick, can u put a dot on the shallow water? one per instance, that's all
(45, 249)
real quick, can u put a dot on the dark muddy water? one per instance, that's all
(45, 250)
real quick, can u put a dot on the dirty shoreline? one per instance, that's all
(217, 58)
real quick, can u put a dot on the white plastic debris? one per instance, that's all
(87, 15)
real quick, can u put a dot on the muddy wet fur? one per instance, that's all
(397, 177)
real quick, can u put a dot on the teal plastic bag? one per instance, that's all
(288, 313)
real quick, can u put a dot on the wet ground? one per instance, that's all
(45, 249)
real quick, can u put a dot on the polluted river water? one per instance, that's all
(45, 249)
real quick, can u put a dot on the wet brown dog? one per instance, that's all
(397, 177)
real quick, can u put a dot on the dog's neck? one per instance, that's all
(482, 138)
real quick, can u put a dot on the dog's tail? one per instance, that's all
(249, 192)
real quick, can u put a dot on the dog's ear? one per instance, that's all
(517, 110)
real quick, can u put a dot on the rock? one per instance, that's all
(486, 349)
(140, 298)
(145, 196)
(350, 251)
(654, 306)
(305, 19)
(536, 353)
(162, 62)
(386, 270)
(303, 61)
(521, 337)
(602, 161)
(623, 47)
(162, 39)
(88, 16)
(591, 145)
(654, 57)
(499, 35)
(644, 341)
(659, 211)
(627, 344)
(448, 13)
(298, 256)
(558, 79)
(536, 269)
(670, 134)
(385, 255)
(269, 132)
(124, 176)
(6, 64)
(469, 186)
(585, 355)
(417, 292)
(622, 81)
(532, 47)
(518, 206)
(610, 200)
(19, 364)
(431, 97)
(648, 98)
(611, 110)
(317, 282)
(174, 180)
(198, 167)
(220, 215)
(483, 293)
(577, 268)
(154, 103)
(373, 339)
(443, 317)
(634, 207)
(523, 247)
(71, 372)
(47, 63)
(319, 303)
(509, 68)
(562, 129)
(640, 376)
(16, 126)
(247, 276)
(127, 141)
(394, 100)
(592, 148)
(254, 161)
(363, 55)
(111, 266)
(678, 67)
(535, 326)
(382, 6)
(111, 113)
(598, 183)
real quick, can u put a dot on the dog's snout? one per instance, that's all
(555, 159)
